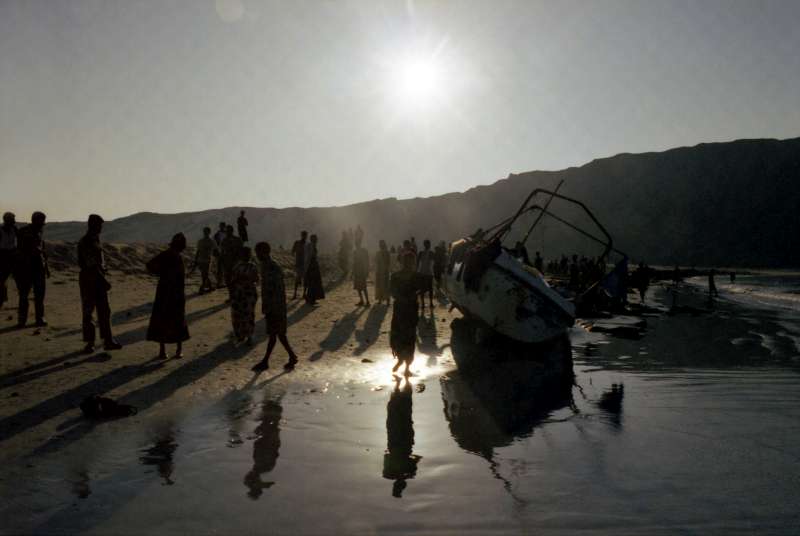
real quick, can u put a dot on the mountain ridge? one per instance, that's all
(704, 204)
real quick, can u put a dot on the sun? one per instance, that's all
(417, 81)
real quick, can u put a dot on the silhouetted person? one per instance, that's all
(241, 225)
(413, 245)
(405, 285)
(538, 262)
(345, 247)
(733, 277)
(425, 261)
(206, 250)
(314, 288)
(641, 280)
(229, 252)
(712, 286)
(244, 296)
(677, 277)
(273, 305)
(266, 448)
(382, 272)
(168, 319)
(8, 252)
(399, 461)
(439, 263)
(358, 236)
(299, 252)
(32, 270)
(219, 236)
(94, 287)
(361, 271)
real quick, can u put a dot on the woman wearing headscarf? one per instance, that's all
(168, 319)
(244, 295)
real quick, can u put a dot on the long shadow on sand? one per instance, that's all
(339, 334)
(14, 379)
(191, 370)
(368, 335)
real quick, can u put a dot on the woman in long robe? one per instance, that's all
(168, 319)
(244, 296)
(314, 289)
(405, 286)
(382, 262)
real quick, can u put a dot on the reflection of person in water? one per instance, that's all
(265, 448)
(399, 462)
(161, 455)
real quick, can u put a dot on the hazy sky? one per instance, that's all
(169, 106)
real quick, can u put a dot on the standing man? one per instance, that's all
(219, 236)
(241, 224)
(206, 248)
(299, 252)
(32, 269)
(425, 261)
(8, 252)
(361, 272)
(94, 287)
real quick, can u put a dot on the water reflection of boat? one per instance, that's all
(503, 391)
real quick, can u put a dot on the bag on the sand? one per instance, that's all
(100, 407)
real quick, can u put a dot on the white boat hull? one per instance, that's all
(512, 300)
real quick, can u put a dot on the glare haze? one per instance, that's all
(122, 106)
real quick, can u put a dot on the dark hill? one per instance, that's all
(723, 204)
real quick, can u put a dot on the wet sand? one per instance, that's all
(688, 425)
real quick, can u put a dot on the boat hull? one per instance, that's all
(512, 300)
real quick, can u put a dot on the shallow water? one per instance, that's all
(641, 443)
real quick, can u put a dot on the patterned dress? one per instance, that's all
(244, 296)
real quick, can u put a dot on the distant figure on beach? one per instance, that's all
(361, 272)
(299, 252)
(406, 248)
(8, 253)
(358, 236)
(168, 319)
(314, 288)
(676, 275)
(425, 261)
(382, 272)
(219, 236)
(405, 285)
(399, 461)
(273, 305)
(229, 252)
(733, 277)
(241, 225)
(345, 247)
(32, 269)
(538, 263)
(94, 287)
(641, 280)
(244, 296)
(439, 262)
(206, 250)
(712, 286)
(266, 447)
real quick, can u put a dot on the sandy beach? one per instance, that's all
(217, 448)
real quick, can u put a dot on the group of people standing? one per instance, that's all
(23, 257)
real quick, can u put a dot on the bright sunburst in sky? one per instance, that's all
(126, 105)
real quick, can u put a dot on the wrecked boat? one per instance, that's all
(490, 285)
